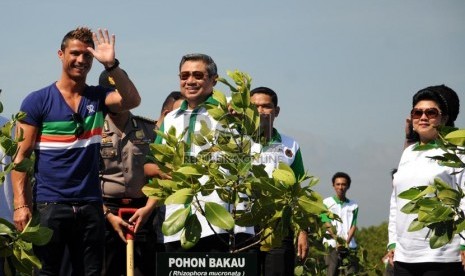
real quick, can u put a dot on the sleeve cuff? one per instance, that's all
(324, 218)
(391, 246)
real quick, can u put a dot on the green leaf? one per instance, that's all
(25, 165)
(6, 226)
(180, 154)
(170, 136)
(162, 152)
(191, 233)
(218, 216)
(416, 225)
(175, 222)
(40, 236)
(441, 184)
(284, 174)
(416, 192)
(19, 264)
(268, 185)
(299, 270)
(441, 235)
(452, 164)
(259, 171)
(285, 177)
(456, 137)
(31, 258)
(262, 209)
(286, 219)
(410, 208)
(443, 213)
(428, 203)
(220, 97)
(237, 102)
(183, 196)
(411, 193)
(205, 130)
(450, 197)
(460, 225)
(9, 146)
(191, 170)
(251, 120)
(216, 112)
(311, 206)
(243, 168)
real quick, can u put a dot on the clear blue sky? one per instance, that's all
(345, 71)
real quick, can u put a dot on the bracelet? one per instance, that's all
(106, 213)
(111, 68)
(20, 207)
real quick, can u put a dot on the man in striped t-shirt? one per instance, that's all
(63, 127)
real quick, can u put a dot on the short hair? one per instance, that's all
(170, 99)
(82, 34)
(211, 65)
(343, 175)
(267, 91)
(444, 97)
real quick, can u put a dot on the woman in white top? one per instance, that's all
(410, 251)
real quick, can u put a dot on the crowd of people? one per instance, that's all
(91, 162)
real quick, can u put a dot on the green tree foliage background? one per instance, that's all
(374, 240)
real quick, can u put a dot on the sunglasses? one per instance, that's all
(77, 118)
(430, 113)
(198, 75)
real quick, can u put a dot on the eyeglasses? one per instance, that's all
(430, 113)
(198, 75)
(77, 118)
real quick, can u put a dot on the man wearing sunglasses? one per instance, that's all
(63, 127)
(278, 148)
(197, 76)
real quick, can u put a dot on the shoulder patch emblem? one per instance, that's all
(289, 153)
(140, 134)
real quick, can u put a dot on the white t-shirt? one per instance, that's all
(347, 212)
(416, 169)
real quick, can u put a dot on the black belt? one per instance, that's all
(129, 202)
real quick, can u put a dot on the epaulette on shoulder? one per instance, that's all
(144, 119)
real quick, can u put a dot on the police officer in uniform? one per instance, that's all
(125, 145)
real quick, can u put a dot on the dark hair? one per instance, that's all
(446, 98)
(393, 172)
(170, 99)
(82, 34)
(267, 91)
(343, 175)
(211, 65)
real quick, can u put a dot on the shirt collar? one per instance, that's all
(275, 136)
(431, 145)
(338, 201)
(185, 105)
